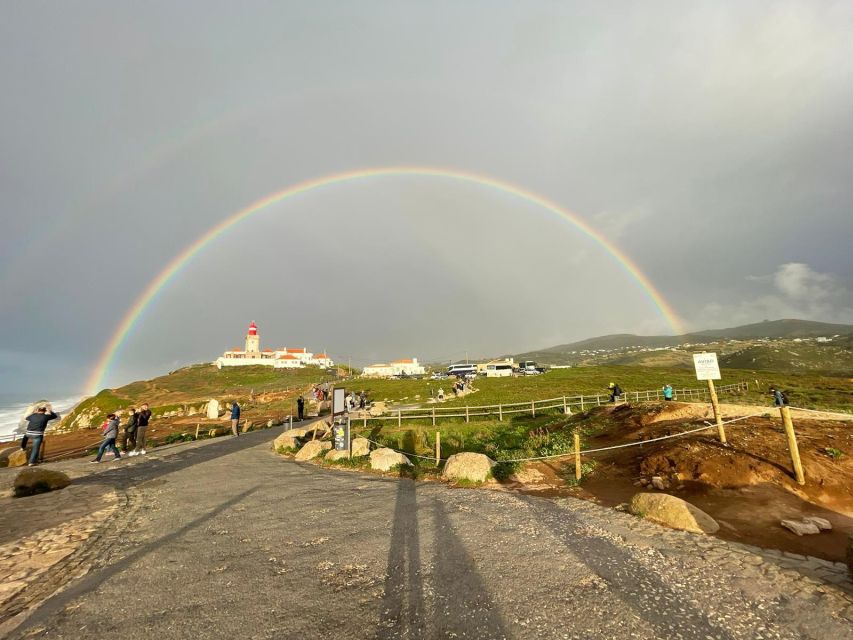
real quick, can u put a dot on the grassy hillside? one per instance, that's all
(192, 385)
(806, 389)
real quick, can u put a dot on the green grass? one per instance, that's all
(806, 389)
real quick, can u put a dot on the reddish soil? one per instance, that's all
(747, 486)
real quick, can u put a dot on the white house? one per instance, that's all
(281, 358)
(407, 367)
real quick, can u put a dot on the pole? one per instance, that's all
(399, 418)
(290, 425)
(533, 407)
(466, 413)
(716, 405)
(565, 407)
(197, 425)
(349, 439)
(437, 447)
(433, 416)
(581, 402)
(500, 413)
(792, 444)
(577, 456)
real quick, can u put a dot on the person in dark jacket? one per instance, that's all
(235, 418)
(110, 432)
(36, 424)
(300, 407)
(779, 397)
(615, 392)
(128, 436)
(142, 418)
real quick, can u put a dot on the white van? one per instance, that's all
(498, 370)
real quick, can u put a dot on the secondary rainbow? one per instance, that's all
(102, 367)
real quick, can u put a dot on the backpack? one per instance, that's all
(784, 398)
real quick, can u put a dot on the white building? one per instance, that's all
(407, 367)
(281, 358)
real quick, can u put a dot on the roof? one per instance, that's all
(302, 350)
(404, 361)
(373, 366)
(267, 351)
(321, 355)
(287, 357)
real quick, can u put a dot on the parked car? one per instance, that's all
(439, 375)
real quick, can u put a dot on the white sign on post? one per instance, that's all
(338, 398)
(707, 367)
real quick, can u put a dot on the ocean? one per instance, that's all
(13, 406)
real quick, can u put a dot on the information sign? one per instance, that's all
(338, 401)
(707, 367)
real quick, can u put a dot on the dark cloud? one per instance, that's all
(709, 141)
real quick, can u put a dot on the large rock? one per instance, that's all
(286, 440)
(213, 409)
(801, 527)
(473, 467)
(312, 449)
(383, 459)
(360, 447)
(298, 432)
(18, 458)
(7, 453)
(673, 512)
(377, 409)
(334, 454)
(821, 523)
(39, 480)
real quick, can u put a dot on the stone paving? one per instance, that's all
(225, 539)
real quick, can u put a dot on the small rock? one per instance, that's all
(658, 483)
(673, 512)
(13, 457)
(821, 523)
(800, 528)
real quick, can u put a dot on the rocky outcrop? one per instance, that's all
(384, 459)
(472, 467)
(672, 512)
(312, 449)
(360, 447)
(39, 480)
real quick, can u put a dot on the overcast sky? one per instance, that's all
(711, 142)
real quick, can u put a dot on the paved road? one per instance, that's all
(228, 540)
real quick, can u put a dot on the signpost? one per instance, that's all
(340, 425)
(707, 368)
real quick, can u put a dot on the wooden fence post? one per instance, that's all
(581, 402)
(533, 407)
(466, 413)
(437, 447)
(565, 406)
(500, 413)
(399, 418)
(433, 416)
(197, 426)
(716, 405)
(365, 423)
(577, 456)
(792, 444)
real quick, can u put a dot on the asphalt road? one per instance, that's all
(231, 541)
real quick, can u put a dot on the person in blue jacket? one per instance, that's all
(667, 393)
(235, 418)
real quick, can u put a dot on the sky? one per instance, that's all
(710, 142)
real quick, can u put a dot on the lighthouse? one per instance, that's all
(253, 340)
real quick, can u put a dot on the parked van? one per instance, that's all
(498, 370)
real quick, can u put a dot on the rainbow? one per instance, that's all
(99, 373)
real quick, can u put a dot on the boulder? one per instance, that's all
(334, 454)
(377, 409)
(821, 523)
(312, 449)
(297, 433)
(360, 447)
(658, 483)
(800, 527)
(39, 480)
(285, 440)
(474, 467)
(383, 459)
(17, 458)
(672, 512)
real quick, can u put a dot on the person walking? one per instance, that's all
(235, 418)
(667, 393)
(128, 436)
(780, 399)
(362, 401)
(36, 425)
(142, 418)
(110, 432)
(300, 408)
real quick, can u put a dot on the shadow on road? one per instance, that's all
(94, 579)
(668, 612)
(462, 606)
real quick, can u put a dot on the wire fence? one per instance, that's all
(566, 404)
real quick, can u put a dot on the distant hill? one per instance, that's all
(630, 349)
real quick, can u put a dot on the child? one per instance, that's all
(110, 432)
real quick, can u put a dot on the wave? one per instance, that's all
(11, 412)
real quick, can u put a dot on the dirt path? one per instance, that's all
(227, 538)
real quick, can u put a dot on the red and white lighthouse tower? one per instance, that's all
(253, 340)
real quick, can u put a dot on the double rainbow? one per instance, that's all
(102, 367)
